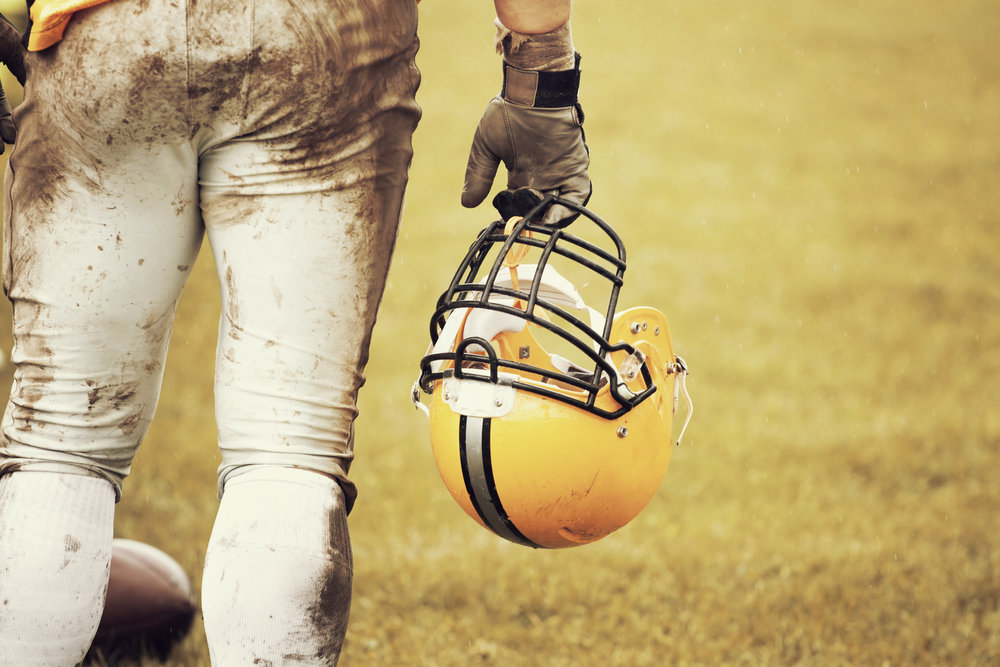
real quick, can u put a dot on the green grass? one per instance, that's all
(809, 192)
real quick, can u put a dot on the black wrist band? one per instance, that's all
(547, 90)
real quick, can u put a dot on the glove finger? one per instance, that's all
(516, 202)
(478, 181)
(8, 132)
(504, 204)
(12, 50)
(526, 199)
(560, 216)
(480, 171)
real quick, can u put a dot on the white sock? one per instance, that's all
(55, 554)
(277, 581)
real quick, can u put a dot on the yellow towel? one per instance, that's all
(49, 19)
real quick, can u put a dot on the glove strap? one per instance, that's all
(546, 90)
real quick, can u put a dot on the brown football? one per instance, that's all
(149, 605)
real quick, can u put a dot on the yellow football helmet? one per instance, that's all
(545, 448)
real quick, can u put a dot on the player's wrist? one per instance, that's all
(545, 52)
(539, 70)
(545, 90)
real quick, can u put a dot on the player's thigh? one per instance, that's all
(101, 228)
(302, 214)
(301, 283)
(94, 284)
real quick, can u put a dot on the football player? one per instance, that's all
(282, 131)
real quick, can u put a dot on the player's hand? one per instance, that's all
(535, 127)
(12, 55)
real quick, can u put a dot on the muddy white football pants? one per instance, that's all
(282, 130)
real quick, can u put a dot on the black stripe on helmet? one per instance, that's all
(477, 471)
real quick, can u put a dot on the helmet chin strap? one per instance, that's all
(415, 399)
(515, 255)
(680, 367)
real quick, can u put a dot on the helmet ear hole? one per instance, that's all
(645, 329)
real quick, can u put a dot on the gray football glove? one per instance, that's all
(535, 127)
(12, 55)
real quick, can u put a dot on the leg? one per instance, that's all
(55, 554)
(278, 572)
(101, 227)
(302, 217)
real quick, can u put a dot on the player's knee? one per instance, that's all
(260, 466)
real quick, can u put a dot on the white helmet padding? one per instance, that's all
(487, 324)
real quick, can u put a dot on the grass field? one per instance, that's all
(809, 191)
